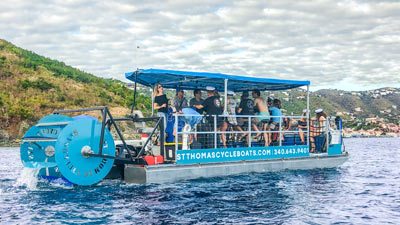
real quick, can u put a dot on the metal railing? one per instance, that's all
(108, 121)
(247, 127)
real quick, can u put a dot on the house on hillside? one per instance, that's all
(374, 120)
(375, 96)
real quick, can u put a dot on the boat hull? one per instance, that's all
(172, 172)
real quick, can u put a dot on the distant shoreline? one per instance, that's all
(9, 144)
(383, 136)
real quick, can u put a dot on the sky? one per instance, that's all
(347, 45)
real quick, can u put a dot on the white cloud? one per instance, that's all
(345, 44)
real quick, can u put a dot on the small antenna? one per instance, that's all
(136, 51)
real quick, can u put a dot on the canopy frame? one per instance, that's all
(200, 80)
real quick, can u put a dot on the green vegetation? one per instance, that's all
(39, 84)
(32, 86)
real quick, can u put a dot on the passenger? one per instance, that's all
(276, 114)
(319, 128)
(321, 118)
(232, 111)
(261, 109)
(216, 93)
(302, 126)
(212, 106)
(286, 124)
(269, 102)
(197, 100)
(161, 103)
(245, 108)
(179, 101)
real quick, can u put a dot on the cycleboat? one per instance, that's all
(84, 150)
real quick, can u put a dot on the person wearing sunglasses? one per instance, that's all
(161, 103)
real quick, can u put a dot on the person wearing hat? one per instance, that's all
(212, 106)
(179, 101)
(321, 118)
(319, 128)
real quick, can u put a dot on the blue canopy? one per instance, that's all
(192, 80)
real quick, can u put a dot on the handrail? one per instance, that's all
(309, 132)
(249, 132)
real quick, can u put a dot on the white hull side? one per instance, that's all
(172, 172)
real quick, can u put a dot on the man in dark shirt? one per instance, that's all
(212, 106)
(197, 100)
(246, 107)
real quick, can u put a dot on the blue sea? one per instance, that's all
(364, 190)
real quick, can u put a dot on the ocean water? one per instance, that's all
(364, 190)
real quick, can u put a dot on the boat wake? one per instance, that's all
(28, 178)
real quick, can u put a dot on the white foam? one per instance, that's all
(60, 183)
(28, 178)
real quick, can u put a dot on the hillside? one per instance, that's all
(32, 86)
(384, 102)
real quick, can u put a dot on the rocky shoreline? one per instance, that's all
(10, 144)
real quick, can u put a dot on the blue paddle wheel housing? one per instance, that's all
(57, 146)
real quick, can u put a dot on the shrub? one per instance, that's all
(21, 111)
(5, 74)
(61, 97)
(79, 102)
(103, 94)
(38, 84)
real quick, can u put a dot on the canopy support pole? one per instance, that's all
(226, 96)
(152, 101)
(134, 94)
(308, 115)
